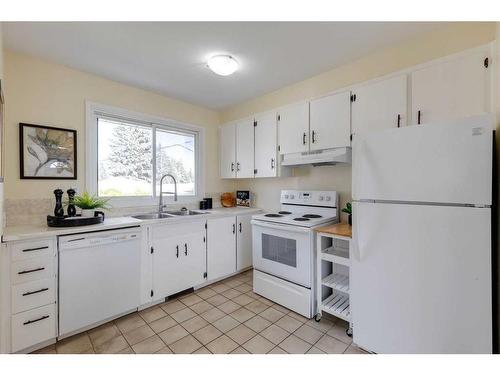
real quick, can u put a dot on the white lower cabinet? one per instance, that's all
(229, 245)
(33, 327)
(179, 257)
(243, 242)
(221, 247)
(28, 294)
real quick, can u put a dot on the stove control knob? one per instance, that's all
(292, 196)
(321, 198)
(328, 199)
(286, 196)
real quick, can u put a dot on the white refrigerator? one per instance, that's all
(421, 259)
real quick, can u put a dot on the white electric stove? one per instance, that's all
(284, 247)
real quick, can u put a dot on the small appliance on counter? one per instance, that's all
(243, 198)
(206, 204)
(59, 219)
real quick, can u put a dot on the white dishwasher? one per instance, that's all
(99, 277)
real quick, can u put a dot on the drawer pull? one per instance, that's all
(35, 249)
(30, 271)
(35, 292)
(36, 320)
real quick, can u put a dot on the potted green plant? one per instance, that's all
(348, 210)
(89, 203)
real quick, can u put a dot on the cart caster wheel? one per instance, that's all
(317, 318)
(348, 332)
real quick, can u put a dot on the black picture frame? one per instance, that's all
(23, 174)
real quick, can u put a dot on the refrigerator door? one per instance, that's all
(421, 278)
(442, 162)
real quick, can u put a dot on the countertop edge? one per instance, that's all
(31, 232)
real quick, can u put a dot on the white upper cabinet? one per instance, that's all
(266, 140)
(330, 121)
(451, 89)
(245, 148)
(227, 153)
(293, 128)
(380, 105)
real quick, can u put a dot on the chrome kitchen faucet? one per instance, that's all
(161, 206)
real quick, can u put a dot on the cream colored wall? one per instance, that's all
(448, 40)
(45, 93)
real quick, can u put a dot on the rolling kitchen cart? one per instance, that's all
(333, 269)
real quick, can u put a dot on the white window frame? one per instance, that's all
(95, 110)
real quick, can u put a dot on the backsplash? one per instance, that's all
(35, 211)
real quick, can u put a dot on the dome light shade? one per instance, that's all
(222, 65)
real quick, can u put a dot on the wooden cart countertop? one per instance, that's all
(341, 229)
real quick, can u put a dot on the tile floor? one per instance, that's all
(225, 317)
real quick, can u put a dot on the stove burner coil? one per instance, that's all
(284, 212)
(301, 219)
(272, 215)
(312, 216)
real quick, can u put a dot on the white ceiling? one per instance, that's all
(169, 57)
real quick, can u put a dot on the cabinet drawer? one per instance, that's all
(33, 327)
(30, 249)
(33, 269)
(27, 296)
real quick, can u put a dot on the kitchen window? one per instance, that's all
(129, 152)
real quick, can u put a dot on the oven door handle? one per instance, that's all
(290, 228)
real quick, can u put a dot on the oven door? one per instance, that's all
(285, 251)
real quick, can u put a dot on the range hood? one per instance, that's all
(317, 158)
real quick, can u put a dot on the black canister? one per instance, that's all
(203, 205)
(208, 203)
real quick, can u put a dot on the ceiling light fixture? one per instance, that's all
(223, 65)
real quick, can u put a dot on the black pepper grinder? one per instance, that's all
(71, 203)
(58, 210)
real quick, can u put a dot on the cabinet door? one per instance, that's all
(167, 270)
(331, 121)
(451, 89)
(227, 147)
(244, 148)
(266, 143)
(243, 242)
(221, 247)
(293, 128)
(380, 105)
(173, 269)
(193, 257)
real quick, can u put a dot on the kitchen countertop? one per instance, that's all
(28, 232)
(340, 229)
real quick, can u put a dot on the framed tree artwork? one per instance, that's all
(47, 152)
